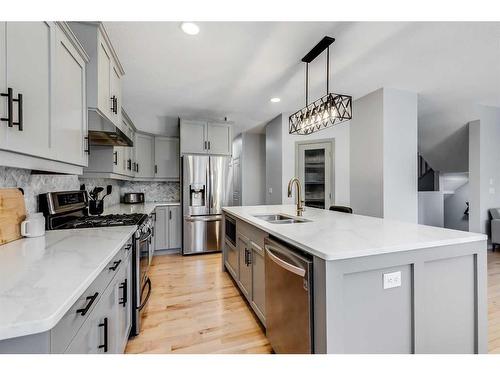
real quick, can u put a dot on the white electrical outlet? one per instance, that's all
(492, 190)
(392, 280)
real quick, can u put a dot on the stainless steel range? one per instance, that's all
(69, 210)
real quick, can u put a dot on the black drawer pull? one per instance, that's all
(91, 300)
(115, 265)
(105, 345)
(123, 300)
(128, 246)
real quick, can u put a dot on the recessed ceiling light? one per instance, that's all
(275, 100)
(190, 28)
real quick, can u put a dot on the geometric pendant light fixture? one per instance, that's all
(326, 111)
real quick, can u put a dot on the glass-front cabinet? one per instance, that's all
(314, 163)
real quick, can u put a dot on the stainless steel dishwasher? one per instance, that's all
(289, 299)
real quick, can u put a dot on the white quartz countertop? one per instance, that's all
(41, 278)
(137, 208)
(334, 235)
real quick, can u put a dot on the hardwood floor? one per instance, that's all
(195, 308)
(494, 302)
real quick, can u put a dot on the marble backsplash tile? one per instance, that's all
(35, 184)
(153, 191)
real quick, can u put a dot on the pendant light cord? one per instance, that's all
(327, 69)
(307, 84)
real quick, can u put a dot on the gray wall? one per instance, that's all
(484, 171)
(253, 167)
(383, 155)
(274, 144)
(366, 155)
(431, 208)
(454, 207)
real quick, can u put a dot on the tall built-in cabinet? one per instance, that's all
(43, 104)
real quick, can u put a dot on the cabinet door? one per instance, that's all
(28, 61)
(219, 138)
(166, 157)
(174, 227)
(122, 306)
(161, 228)
(3, 83)
(118, 159)
(116, 93)
(245, 279)
(193, 136)
(144, 156)
(98, 333)
(104, 78)
(258, 280)
(69, 128)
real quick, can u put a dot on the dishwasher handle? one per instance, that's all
(280, 262)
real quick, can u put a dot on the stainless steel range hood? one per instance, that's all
(103, 132)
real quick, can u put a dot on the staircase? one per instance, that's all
(428, 178)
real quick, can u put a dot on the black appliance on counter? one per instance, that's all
(69, 210)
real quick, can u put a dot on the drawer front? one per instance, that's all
(232, 259)
(68, 326)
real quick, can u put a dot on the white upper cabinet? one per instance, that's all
(104, 100)
(202, 137)
(27, 59)
(144, 155)
(219, 138)
(104, 86)
(193, 137)
(69, 130)
(43, 69)
(166, 157)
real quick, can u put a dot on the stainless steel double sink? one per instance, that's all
(280, 219)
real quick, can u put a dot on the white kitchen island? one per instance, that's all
(440, 305)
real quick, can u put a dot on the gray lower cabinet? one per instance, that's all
(168, 227)
(231, 259)
(98, 322)
(258, 301)
(245, 263)
(245, 279)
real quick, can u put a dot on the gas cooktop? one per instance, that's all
(103, 221)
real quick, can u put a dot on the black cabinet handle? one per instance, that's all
(105, 345)
(91, 300)
(205, 145)
(88, 145)
(123, 300)
(137, 168)
(19, 122)
(115, 265)
(115, 156)
(169, 215)
(113, 98)
(116, 105)
(129, 164)
(209, 145)
(156, 169)
(128, 246)
(9, 118)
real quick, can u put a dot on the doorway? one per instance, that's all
(314, 161)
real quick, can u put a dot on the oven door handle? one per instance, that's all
(147, 237)
(148, 283)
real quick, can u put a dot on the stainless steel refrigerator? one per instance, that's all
(206, 183)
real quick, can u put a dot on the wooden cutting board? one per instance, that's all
(12, 213)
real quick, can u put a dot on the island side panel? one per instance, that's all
(440, 306)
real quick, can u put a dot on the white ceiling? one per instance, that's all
(233, 69)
